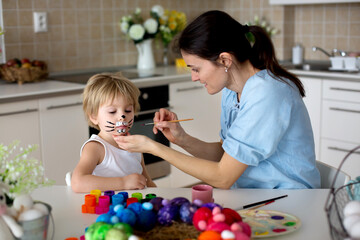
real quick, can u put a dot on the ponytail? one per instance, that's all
(263, 57)
(215, 32)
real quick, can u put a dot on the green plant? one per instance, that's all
(20, 172)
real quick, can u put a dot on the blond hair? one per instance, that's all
(105, 87)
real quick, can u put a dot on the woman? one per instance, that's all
(266, 135)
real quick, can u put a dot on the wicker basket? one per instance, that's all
(336, 202)
(21, 75)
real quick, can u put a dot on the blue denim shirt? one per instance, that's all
(270, 131)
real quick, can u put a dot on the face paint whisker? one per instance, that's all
(110, 130)
(110, 123)
(110, 126)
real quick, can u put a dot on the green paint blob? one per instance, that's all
(289, 224)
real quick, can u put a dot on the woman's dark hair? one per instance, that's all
(215, 32)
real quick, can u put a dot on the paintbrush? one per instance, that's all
(263, 202)
(258, 206)
(172, 121)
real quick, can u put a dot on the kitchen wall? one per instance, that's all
(85, 33)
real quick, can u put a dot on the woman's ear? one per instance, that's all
(225, 59)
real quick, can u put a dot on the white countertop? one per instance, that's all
(13, 92)
(306, 204)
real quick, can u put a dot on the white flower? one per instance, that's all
(158, 10)
(124, 27)
(136, 32)
(137, 11)
(151, 25)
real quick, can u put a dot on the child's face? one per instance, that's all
(116, 117)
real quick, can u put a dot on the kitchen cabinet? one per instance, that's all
(191, 100)
(312, 100)
(63, 132)
(56, 124)
(340, 131)
(302, 2)
(20, 121)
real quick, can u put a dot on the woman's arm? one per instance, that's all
(149, 181)
(176, 134)
(82, 179)
(222, 174)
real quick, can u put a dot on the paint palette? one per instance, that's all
(268, 223)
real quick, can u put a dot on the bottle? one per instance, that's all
(297, 54)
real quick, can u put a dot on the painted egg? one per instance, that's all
(187, 211)
(23, 202)
(352, 207)
(209, 235)
(355, 231)
(350, 220)
(218, 227)
(30, 214)
(241, 235)
(42, 208)
(167, 214)
(146, 220)
(101, 231)
(103, 218)
(201, 216)
(157, 203)
(231, 216)
(227, 235)
(115, 234)
(124, 227)
(211, 205)
(179, 201)
(126, 216)
(136, 208)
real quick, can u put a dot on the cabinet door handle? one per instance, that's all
(344, 110)
(344, 89)
(188, 89)
(64, 105)
(19, 112)
(341, 149)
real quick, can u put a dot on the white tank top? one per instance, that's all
(116, 162)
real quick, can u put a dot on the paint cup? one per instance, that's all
(202, 192)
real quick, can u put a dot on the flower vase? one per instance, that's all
(146, 56)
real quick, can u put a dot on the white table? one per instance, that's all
(306, 204)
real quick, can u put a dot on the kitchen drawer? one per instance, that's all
(333, 152)
(15, 108)
(341, 121)
(341, 90)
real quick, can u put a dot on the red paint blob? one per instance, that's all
(279, 230)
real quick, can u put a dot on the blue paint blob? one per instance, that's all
(276, 217)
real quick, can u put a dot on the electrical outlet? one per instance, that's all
(40, 22)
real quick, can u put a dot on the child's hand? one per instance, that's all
(134, 181)
(134, 143)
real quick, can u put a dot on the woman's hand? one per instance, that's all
(134, 143)
(172, 131)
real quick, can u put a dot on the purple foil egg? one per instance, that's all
(187, 211)
(157, 203)
(167, 214)
(178, 201)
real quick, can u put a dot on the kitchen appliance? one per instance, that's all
(151, 100)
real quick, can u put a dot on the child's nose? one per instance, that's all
(123, 117)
